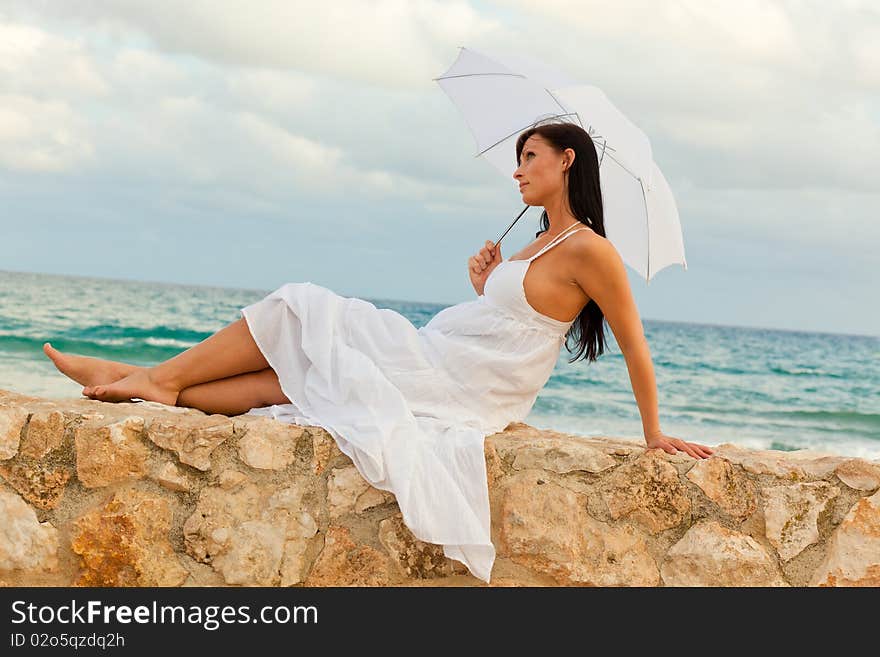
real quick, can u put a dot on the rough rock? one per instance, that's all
(39, 484)
(269, 445)
(12, 422)
(859, 474)
(413, 558)
(193, 438)
(710, 554)
(853, 557)
(171, 477)
(110, 453)
(252, 535)
(125, 543)
(44, 433)
(791, 514)
(546, 528)
(343, 562)
(726, 486)
(648, 491)
(348, 491)
(25, 543)
(561, 456)
(795, 465)
(145, 494)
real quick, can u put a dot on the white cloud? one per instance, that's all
(36, 62)
(272, 91)
(41, 136)
(388, 43)
(747, 94)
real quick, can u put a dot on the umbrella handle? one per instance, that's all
(511, 225)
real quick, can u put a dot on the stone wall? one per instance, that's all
(141, 494)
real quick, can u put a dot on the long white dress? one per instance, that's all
(412, 407)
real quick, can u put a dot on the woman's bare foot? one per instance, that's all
(140, 384)
(85, 370)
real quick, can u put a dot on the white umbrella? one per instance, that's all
(502, 95)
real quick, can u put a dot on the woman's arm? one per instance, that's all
(641, 376)
(601, 274)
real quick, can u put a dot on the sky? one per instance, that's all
(251, 143)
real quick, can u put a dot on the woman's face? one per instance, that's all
(540, 172)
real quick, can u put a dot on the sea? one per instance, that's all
(753, 387)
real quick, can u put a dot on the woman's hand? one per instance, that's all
(482, 264)
(671, 445)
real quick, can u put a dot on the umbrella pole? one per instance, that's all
(511, 225)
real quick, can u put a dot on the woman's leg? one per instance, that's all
(230, 396)
(87, 370)
(228, 352)
(234, 395)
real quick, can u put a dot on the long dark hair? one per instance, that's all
(585, 199)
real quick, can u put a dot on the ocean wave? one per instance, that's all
(804, 371)
(868, 423)
(169, 342)
(132, 351)
(187, 336)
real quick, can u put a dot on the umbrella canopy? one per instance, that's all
(503, 95)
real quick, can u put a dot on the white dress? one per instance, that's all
(411, 407)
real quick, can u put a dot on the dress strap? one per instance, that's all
(559, 238)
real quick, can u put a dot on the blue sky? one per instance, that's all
(251, 144)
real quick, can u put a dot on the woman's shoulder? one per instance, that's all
(587, 247)
(586, 240)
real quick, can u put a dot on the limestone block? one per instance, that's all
(561, 456)
(269, 444)
(858, 473)
(192, 437)
(44, 433)
(853, 557)
(348, 491)
(343, 562)
(798, 465)
(546, 527)
(125, 543)
(41, 485)
(649, 492)
(25, 543)
(722, 483)
(412, 557)
(710, 554)
(231, 479)
(12, 421)
(253, 535)
(791, 514)
(324, 449)
(170, 476)
(110, 453)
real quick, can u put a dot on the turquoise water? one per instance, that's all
(753, 387)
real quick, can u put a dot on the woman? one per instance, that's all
(411, 407)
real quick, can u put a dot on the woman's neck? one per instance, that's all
(559, 216)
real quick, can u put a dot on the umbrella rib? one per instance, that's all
(561, 106)
(647, 227)
(470, 75)
(591, 131)
(622, 166)
(581, 123)
(555, 116)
